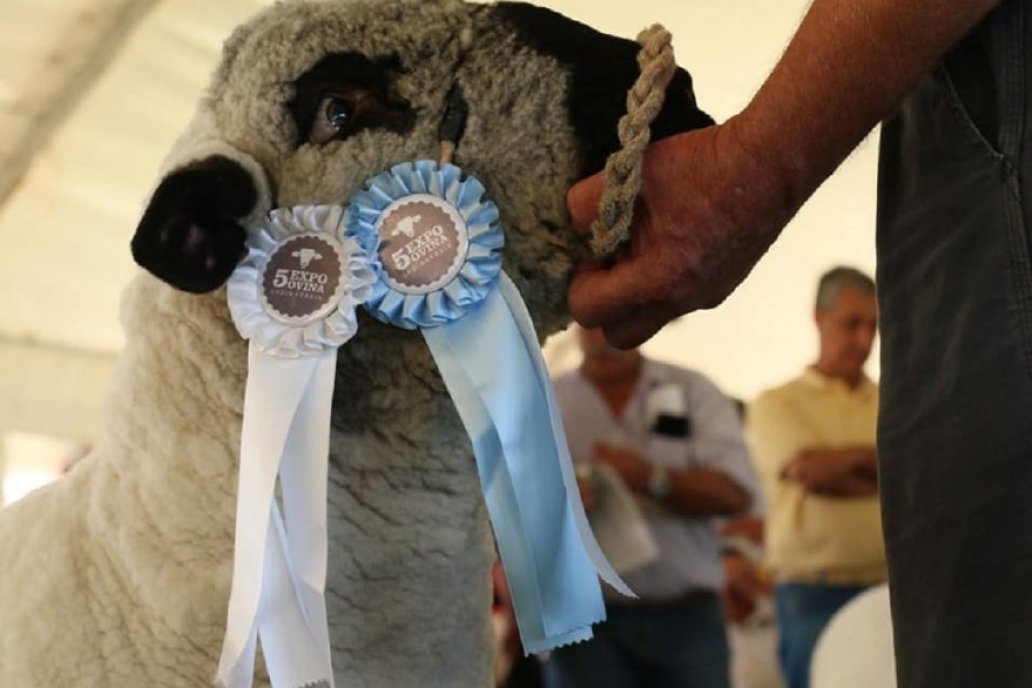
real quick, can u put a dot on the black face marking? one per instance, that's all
(190, 235)
(345, 93)
(603, 68)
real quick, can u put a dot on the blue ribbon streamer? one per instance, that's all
(483, 341)
(514, 301)
(494, 384)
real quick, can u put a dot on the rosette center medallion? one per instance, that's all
(302, 280)
(423, 243)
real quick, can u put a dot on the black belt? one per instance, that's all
(691, 598)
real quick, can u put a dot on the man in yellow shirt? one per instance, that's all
(814, 444)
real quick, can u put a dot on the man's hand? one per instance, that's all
(633, 469)
(707, 212)
(714, 199)
(588, 494)
(834, 472)
(744, 583)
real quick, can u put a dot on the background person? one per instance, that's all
(676, 442)
(813, 439)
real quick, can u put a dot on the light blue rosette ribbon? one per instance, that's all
(483, 341)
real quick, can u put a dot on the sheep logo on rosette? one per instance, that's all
(406, 226)
(306, 255)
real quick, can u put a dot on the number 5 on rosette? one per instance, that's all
(294, 298)
(440, 271)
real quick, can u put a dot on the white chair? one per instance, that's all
(855, 649)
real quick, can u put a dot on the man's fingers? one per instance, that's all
(582, 200)
(637, 328)
(603, 296)
(612, 299)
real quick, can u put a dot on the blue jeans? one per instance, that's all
(803, 610)
(680, 645)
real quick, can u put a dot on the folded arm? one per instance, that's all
(843, 472)
(692, 491)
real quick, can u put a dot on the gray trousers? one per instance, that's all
(955, 297)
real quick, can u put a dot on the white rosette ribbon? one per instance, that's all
(294, 298)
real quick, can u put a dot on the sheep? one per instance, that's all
(118, 575)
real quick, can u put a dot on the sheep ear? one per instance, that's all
(602, 69)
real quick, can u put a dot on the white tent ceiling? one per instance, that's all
(92, 92)
(65, 227)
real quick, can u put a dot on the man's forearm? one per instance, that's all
(705, 492)
(842, 472)
(848, 486)
(867, 465)
(846, 69)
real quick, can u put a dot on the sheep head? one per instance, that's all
(313, 98)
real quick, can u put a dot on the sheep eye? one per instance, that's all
(334, 115)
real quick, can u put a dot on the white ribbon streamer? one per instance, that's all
(278, 579)
(280, 559)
